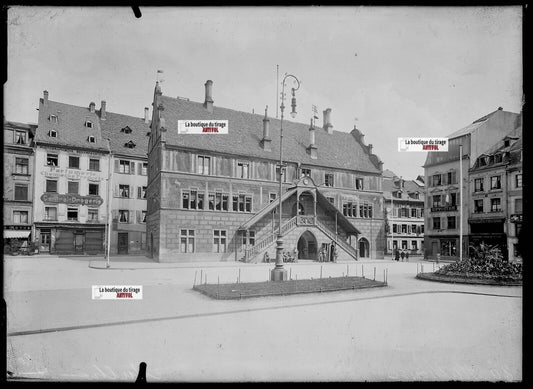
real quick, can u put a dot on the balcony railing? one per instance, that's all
(444, 208)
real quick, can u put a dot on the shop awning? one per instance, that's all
(16, 234)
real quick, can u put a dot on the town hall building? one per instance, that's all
(215, 197)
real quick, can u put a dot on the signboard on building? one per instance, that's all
(517, 218)
(71, 174)
(71, 199)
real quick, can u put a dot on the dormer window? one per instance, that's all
(506, 143)
(91, 139)
(129, 145)
(20, 137)
(497, 158)
(52, 118)
(126, 130)
(52, 134)
(88, 124)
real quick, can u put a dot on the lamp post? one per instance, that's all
(279, 273)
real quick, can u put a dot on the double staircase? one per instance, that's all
(252, 254)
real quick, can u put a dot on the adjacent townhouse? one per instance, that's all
(442, 215)
(404, 210)
(70, 179)
(18, 185)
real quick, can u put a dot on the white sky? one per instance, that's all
(401, 71)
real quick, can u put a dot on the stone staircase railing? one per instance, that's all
(343, 245)
(251, 252)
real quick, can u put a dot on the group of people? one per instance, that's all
(333, 253)
(403, 254)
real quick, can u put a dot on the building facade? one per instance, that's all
(442, 173)
(496, 196)
(216, 197)
(404, 205)
(128, 140)
(18, 185)
(71, 180)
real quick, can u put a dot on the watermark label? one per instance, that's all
(202, 126)
(423, 144)
(113, 292)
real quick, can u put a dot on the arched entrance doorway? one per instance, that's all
(364, 248)
(307, 246)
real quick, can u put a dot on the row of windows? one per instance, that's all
(448, 178)
(495, 205)
(20, 137)
(204, 167)
(451, 223)
(73, 162)
(350, 209)
(444, 200)
(495, 183)
(407, 228)
(50, 214)
(126, 191)
(128, 167)
(414, 244)
(218, 201)
(219, 242)
(126, 216)
(73, 187)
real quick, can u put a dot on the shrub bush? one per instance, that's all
(485, 262)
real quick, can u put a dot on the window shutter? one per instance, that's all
(117, 167)
(139, 192)
(114, 214)
(130, 216)
(139, 168)
(132, 167)
(116, 191)
(138, 216)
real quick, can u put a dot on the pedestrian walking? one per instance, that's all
(407, 256)
(397, 256)
(402, 255)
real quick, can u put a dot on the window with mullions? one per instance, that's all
(50, 213)
(141, 192)
(124, 167)
(123, 216)
(72, 214)
(243, 170)
(219, 241)
(305, 172)
(92, 215)
(204, 164)
(248, 238)
(242, 203)
(328, 179)
(365, 210)
(436, 223)
(192, 199)
(124, 191)
(187, 241)
(478, 206)
(93, 189)
(359, 183)
(448, 247)
(478, 185)
(51, 186)
(21, 165)
(436, 201)
(495, 182)
(20, 217)
(437, 180)
(518, 181)
(73, 162)
(349, 209)
(21, 137)
(495, 205)
(94, 165)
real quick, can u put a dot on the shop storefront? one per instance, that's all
(72, 239)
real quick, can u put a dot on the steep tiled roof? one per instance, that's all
(389, 173)
(111, 129)
(410, 186)
(70, 126)
(336, 150)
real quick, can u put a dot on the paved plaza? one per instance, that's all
(411, 330)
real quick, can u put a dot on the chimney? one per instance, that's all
(327, 121)
(102, 110)
(45, 97)
(370, 147)
(91, 107)
(312, 149)
(266, 141)
(146, 120)
(208, 103)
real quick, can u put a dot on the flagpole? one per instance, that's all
(277, 89)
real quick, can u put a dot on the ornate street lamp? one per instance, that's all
(279, 273)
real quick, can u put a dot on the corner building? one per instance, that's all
(214, 197)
